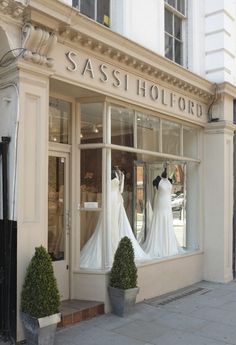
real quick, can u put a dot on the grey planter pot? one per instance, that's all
(122, 301)
(40, 331)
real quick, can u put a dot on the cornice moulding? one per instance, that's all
(76, 30)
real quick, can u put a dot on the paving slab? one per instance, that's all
(207, 317)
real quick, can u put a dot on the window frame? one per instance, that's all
(183, 41)
(77, 5)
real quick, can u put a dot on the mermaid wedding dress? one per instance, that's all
(91, 254)
(161, 240)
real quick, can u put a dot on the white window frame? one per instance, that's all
(183, 40)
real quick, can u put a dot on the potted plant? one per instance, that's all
(123, 279)
(40, 300)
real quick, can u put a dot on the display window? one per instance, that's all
(141, 182)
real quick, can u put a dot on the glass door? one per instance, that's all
(59, 218)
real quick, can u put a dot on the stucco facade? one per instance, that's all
(66, 56)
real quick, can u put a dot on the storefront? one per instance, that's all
(91, 101)
(105, 113)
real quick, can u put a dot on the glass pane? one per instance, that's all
(178, 52)
(168, 22)
(170, 137)
(88, 223)
(103, 12)
(87, 7)
(91, 178)
(171, 2)
(56, 209)
(190, 142)
(75, 3)
(91, 123)
(178, 27)
(59, 121)
(168, 47)
(148, 132)
(176, 173)
(122, 126)
(181, 6)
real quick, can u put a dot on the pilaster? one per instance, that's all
(218, 197)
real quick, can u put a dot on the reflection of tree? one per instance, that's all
(177, 175)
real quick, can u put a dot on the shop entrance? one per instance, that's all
(59, 218)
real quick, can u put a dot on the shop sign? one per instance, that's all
(108, 77)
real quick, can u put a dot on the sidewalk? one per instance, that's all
(203, 314)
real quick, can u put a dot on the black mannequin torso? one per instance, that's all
(157, 180)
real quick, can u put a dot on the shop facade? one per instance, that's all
(89, 100)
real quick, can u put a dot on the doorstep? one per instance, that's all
(73, 311)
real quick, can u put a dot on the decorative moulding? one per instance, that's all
(78, 38)
(38, 44)
(13, 8)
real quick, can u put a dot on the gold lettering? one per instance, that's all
(88, 68)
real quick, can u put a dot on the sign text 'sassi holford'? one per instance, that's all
(119, 79)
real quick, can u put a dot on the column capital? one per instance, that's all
(220, 127)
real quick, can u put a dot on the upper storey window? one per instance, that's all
(174, 29)
(98, 10)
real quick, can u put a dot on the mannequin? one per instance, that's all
(91, 254)
(161, 240)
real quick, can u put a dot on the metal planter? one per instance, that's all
(122, 301)
(40, 331)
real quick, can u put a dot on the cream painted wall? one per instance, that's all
(154, 278)
(218, 198)
(32, 170)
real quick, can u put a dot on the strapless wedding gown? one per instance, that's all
(161, 240)
(91, 254)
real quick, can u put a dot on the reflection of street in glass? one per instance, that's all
(177, 202)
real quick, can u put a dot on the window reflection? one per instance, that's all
(148, 132)
(91, 123)
(59, 121)
(122, 126)
(56, 211)
(170, 138)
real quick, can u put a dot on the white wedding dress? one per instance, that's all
(161, 240)
(91, 254)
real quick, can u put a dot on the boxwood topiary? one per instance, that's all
(124, 272)
(40, 295)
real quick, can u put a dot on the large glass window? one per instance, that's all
(148, 132)
(90, 193)
(91, 123)
(122, 123)
(98, 10)
(59, 121)
(174, 20)
(171, 137)
(151, 171)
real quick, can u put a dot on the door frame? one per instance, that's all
(63, 266)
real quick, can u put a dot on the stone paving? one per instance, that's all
(204, 317)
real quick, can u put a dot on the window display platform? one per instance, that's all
(74, 311)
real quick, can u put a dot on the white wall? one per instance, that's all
(8, 115)
(220, 40)
(140, 21)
